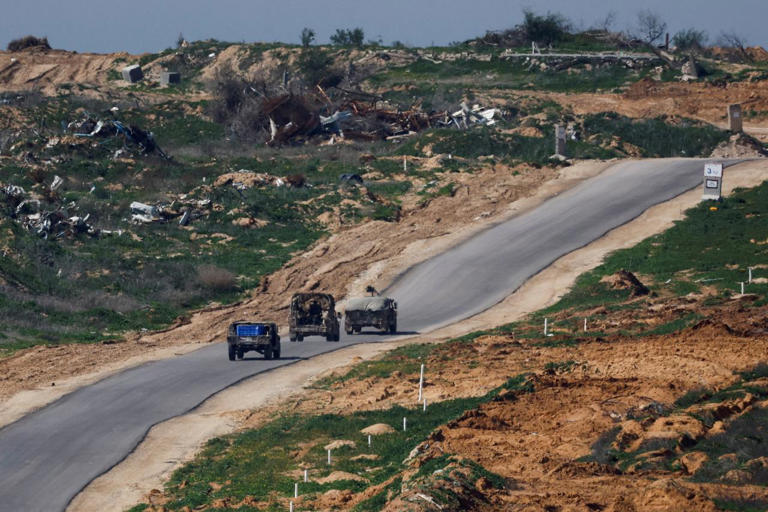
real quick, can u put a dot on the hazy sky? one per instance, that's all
(152, 25)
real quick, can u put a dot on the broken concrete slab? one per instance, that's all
(132, 73)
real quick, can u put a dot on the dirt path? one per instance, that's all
(163, 450)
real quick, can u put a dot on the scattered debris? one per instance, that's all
(351, 178)
(92, 128)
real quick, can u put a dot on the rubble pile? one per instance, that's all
(58, 222)
(296, 119)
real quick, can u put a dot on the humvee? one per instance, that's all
(260, 337)
(379, 312)
(313, 314)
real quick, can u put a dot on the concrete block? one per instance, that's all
(133, 73)
(559, 140)
(170, 77)
(735, 120)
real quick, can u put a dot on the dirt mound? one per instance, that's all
(625, 280)
(740, 145)
(337, 476)
(339, 444)
(378, 429)
(712, 327)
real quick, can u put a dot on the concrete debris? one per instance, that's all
(27, 210)
(57, 182)
(477, 115)
(93, 128)
(184, 208)
(297, 119)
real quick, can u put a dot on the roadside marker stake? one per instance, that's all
(291, 507)
(329, 456)
(742, 287)
(425, 405)
(369, 439)
(306, 476)
(421, 383)
(296, 490)
(405, 163)
(585, 325)
(404, 424)
(750, 275)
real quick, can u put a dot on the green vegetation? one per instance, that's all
(260, 464)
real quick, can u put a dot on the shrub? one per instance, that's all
(28, 42)
(216, 278)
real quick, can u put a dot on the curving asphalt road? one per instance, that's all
(47, 457)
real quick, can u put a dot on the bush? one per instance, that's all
(348, 37)
(216, 278)
(544, 29)
(28, 42)
(690, 39)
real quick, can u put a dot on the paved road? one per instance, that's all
(47, 457)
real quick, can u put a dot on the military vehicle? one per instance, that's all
(379, 312)
(313, 314)
(259, 337)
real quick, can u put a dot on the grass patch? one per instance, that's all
(255, 464)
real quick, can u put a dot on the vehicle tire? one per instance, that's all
(232, 352)
(276, 352)
(348, 330)
(358, 330)
(292, 337)
(299, 337)
(268, 353)
(393, 327)
(240, 354)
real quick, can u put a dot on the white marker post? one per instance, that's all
(749, 280)
(405, 424)
(405, 163)
(369, 439)
(329, 456)
(742, 287)
(425, 405)
(546, 326)
(585, 325)
(296, 490)
(290, 508)
(421, 383)
(306, 476)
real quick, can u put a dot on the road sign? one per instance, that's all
(713, 181)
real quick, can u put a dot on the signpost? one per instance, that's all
(713, 181)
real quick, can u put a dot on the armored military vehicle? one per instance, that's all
(379, 312)
(260, 337)
(313, 314)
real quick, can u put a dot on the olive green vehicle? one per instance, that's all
(313, 314)
(259, 337)
(379, 312)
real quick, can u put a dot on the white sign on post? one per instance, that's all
(713, 181)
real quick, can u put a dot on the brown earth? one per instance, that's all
(535, 439)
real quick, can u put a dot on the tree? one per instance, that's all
(651, 26)
(544, 29)
(690, 39)
(307, 36)
(346, 37)
(607, 22)
(734, 40)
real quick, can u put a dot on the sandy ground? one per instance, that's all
(163, 450)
